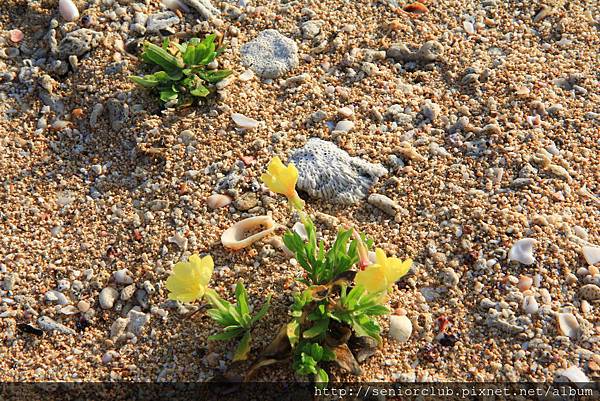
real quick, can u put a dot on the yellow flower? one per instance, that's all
(381, 275)
(189, 280)
(282, 180)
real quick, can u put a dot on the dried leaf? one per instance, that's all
(345, 359)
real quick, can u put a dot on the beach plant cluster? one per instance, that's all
(343, 289)
(182, 74)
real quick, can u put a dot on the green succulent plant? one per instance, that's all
(236, 319)
(183, 75)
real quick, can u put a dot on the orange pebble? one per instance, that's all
(77, 113)
(416, 8)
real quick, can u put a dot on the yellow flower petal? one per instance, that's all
(373, 278)
(391, 268)
(189, 279)
(281, 179)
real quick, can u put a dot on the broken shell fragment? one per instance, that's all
(589, 292)
(572, 374)
(246, 232)
(568, 325)
(217, 201)
(299, 229)
(591, 254)
(244, 122)
(16, 35)
(530, 305)
(522, 251)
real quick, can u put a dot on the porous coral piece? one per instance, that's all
(328, 172)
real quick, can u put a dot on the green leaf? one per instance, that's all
(189, 56)
(263, 310)
(319, 328)
(168, 95)
(161, 57)
(242, 298)
(226, 335)
(321, 376)
(375, 310)
(214, 76)
(222, 318)
(148, 81)
(200, 91)
(293, 332)
(243, 348)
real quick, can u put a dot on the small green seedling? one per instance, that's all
(183, 75)
(236, 320)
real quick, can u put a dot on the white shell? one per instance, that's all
(522, 251)
(591, 254)
(299, 229)
(568, 325)
(216, 201)
(244, 122)
(400, 328)
(246, 232)
(68, 10)
(530, 305)
(572, 374)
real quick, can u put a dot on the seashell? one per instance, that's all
(546, 297)
(572, 374)
(68, 10)
(122, 276)
(244, 122)
(217, 201)
(299, 229)
(585, 307)
(468, 27)
(246, 232)
(522, 251)
(591, 254)
(544, 12)
(525, 283)
(530, 305)
(568, 325)
(400, 328)
(16, 35)
(589, 292)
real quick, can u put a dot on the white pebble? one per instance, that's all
(522, 251)
(68, 10)
(244, 122)
(400, 328)
(107, 297)
(344, 125)
(530, 305)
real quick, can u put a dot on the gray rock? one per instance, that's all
(78, 42)
(270, 54)
(328, 172)
(246, 202)
(107, 297)
(118, 112)
(203, 7)
(117, 329)
(159, 21)
(9, 281)
(310, 29)
(137, 320)
(96, 112)
(48, 324)
(428, 52)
